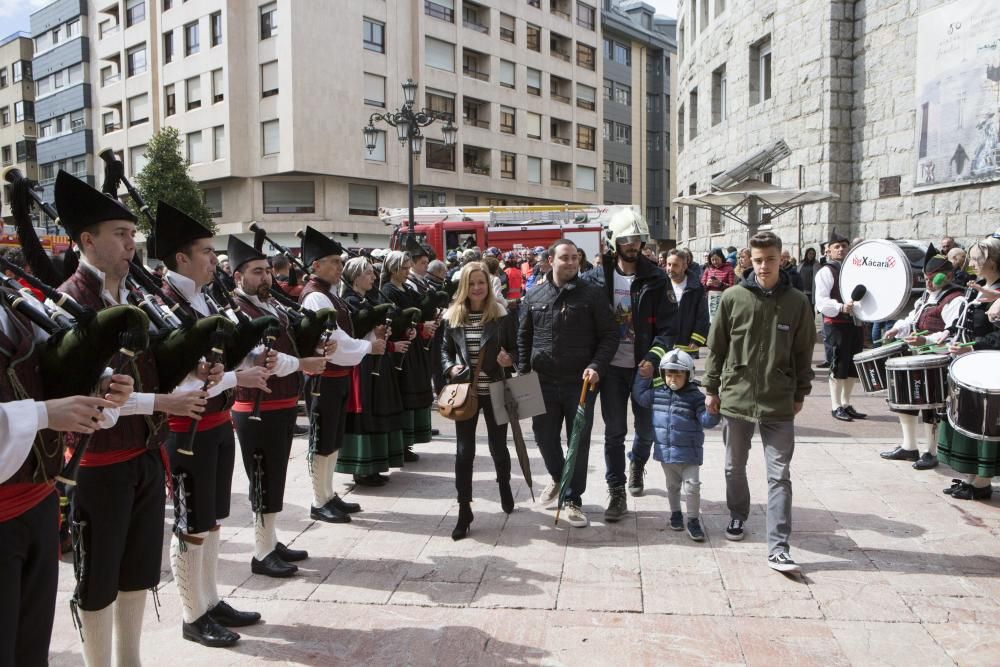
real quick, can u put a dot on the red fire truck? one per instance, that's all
(506, 227)
(54, 244)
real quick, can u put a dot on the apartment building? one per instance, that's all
(17, 111)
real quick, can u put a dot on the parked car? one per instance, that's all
(915, 252)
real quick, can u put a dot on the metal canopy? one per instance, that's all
(734, 201)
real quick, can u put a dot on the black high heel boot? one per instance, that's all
(464, 519)
(506, 496)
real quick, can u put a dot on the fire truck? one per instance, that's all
(521, 228)
(54, 244)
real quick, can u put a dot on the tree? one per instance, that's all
(165, 177)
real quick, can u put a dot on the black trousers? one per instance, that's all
(271, 439)
(328, 414)
(29, 573)
(846, 340)
(206, 478)
(465, 449)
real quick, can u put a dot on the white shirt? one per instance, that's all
(679, 288)
(949, 314)
(826, 305)
(350, 351)
(622, 303)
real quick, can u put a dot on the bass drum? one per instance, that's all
(884, 270)
(974, 395)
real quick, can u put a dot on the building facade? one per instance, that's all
(17, 111)
(838, 81)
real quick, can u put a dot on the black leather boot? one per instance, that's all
(464, 521)
(506, 496)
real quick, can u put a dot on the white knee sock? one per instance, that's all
(320, 474)
(846, 389)
(186, 564)
(909, 426)
(265, 536)
(980, 482)
(96, 627)
(331, 462)
(930, 439)
(210, 569)
(834, 393)
(129, 608)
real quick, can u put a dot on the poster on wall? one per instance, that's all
(958, 95)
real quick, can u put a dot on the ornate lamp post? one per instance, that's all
(408, 122)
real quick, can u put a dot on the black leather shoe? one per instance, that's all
(956, 484)
(290, 555)
(823, 364)
(368, 480)
(208, 632)
(329, 514)
(849, 409)
(926, 462)
(273, 566)
(841, 414)
(900, 454)
(969, 492)
(342, 505)
(409, 456)
(300, 430)
(434, 432)
(223, 614)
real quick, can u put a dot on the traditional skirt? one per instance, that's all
(373, 439)
(967, 455)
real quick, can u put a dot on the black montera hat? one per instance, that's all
(935, 262)
(837, 238)
(240, 253)
(81, 205)
(174, 229)
(317, 245)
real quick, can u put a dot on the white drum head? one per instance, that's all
(978, 369)
(884, 270)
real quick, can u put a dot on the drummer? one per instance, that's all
(843, 334)
(937, 309)
(975, 460)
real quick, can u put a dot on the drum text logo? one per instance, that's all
(887, 263)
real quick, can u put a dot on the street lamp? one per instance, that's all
(408, 122)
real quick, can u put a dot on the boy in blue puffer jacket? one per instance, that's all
(679, 420)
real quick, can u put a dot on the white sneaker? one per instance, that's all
(575, 516)
(549, 496)
(782, 562)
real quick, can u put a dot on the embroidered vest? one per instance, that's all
(281, 387)
(931, 318)
(343, 313)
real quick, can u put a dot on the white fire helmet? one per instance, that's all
(677, 360)
(627, 226)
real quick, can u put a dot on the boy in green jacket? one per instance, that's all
(758, 374)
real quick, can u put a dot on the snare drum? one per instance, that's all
(870, 364)
(917, 382)
(974, 395)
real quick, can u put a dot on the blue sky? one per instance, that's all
(14, 14)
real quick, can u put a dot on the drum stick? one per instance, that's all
(917, 333)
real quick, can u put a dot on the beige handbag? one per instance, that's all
(460, 400)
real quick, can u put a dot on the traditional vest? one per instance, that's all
(841, 318)
(343, 319)
(283, 389)
(931, 318)
(19, 361)
(133, 432)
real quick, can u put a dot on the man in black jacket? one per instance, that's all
(568, 336)
(644, 308)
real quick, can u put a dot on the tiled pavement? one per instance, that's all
(894, 572)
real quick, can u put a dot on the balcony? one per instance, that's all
(560, 46)
(476, 113)
(560, 89)
(561, 8)
(475, 65)
(439, 12)
(561, 174)
(560, 131)
(476, 160)
(476, 17)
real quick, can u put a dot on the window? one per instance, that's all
(534, 125)
(215, 22)
(4, 116)
(507, 74)
(535, 3)
(534, 170)
(654, 66)
(289, 197)
(138, 109)
(378, 154)
(374, 90)
(430, 198)
(693, 111)
(692, 214)
(585, 137)
(440, 156)
(585, 15)
(374, 35)
(269, 20)
(73, 28)
(191, 39)
(194, 152)
(168, 47)
(136, 60)
(585, 56)
(534, 38)
(270, 138)
(443, 10)
(43, 86)
(585, 177)
(720, 105)
(170, 100)
(45, 129)
(3, 77)
(475, 65)
(439, 54)
(24, 111)
(218, 86)
(25, 150)
(475, 112)
(623, 54)
(135, 12)
(213, 200)
(362, 199)
(760, 71)
(653, 103)
(441, 104)
(108, 122)
(219, 142)
(20, 70)
(720, 6)
(623, 174)
(623, 94)
(192, 92)
(508, 165)
(507, 122)
(269, 79)
(623, 134)
(7, 156)
(586, 96)
(534, 82)
(654, 142)
(507, 28)
(680, 128)
(137, 159)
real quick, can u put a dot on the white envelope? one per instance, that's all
(526, 391)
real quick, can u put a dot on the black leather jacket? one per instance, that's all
(564, 331)
(497, 334)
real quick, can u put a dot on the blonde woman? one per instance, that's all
(478, 327)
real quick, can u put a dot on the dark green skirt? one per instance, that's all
(363, 454)
(967, 455)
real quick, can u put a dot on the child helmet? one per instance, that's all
(677, 360)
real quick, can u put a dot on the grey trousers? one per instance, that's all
(686, 474)
(779, 445)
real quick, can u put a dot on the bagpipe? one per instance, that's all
(432, 307)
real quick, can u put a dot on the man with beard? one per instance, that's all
(691, 323)
(644, 308)
(843, 334)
